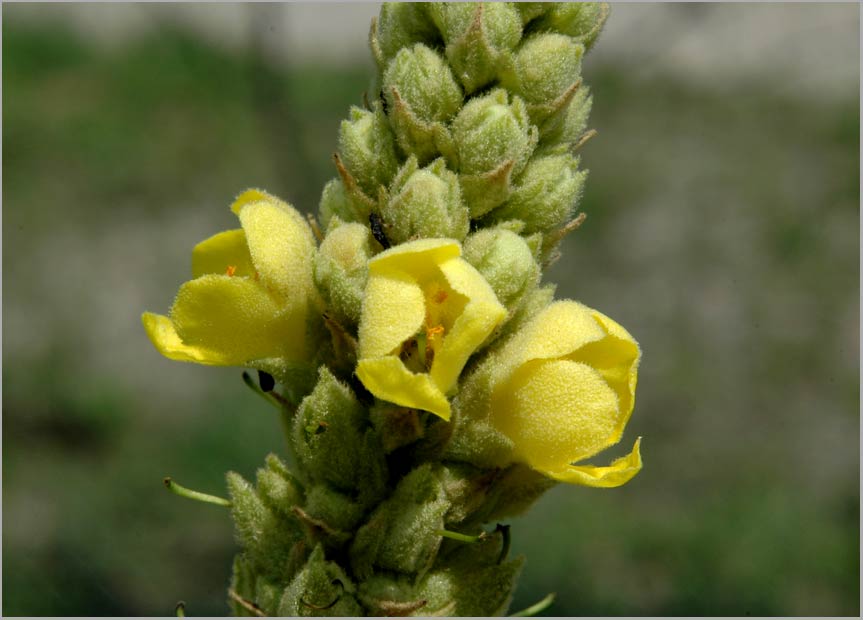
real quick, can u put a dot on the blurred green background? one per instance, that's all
(722, 231)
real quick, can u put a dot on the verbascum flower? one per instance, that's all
(564, 391)
(426, 310)
(248, 302)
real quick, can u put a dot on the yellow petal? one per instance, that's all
(389, 379)
(417, 257)
(393, 311)
(257, 195)
(482, 313)
(164, 337)
(281, 245)
(556, 412)
(620, 471)
(238, 320)
(222, 251)
(557, 331)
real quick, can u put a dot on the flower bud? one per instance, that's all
(424, 82)
(425, 203)
(582, 21)
(341, 270)
(422, 95)
(505, 261)
(476, 36)
(400, 24)
(320, 585)
(330, 441)
(545, 195)
(402, 533)
(336, 201)
(493, 140)
(545, 67)
(368, 149)
(531, 10)
(563, 129)
(562, 390)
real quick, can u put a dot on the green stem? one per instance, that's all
(460, 537)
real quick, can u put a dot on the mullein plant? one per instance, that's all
(430, 386)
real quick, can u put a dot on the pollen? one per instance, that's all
(431, 332)
(440, 297)
(231, 270)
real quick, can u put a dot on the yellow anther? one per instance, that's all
(431, 332)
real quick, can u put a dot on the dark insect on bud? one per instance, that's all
(266, 381)
(377, 226)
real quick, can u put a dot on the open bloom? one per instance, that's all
(564, 390)
(248, 301)
(425, 311)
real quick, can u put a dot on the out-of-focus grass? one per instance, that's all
(721, 232)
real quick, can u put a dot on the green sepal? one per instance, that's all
(266, 536)
(583, 21)
(562, 130)
(331, 441)
(367, 147)
(425, 202)
(545, 195)
(544, 71)
(472, 580)
(390, 594)
(321, 588)
(401, 535)
(398, 25)
(397, 426)
(506, 262)
(424, 82)
(477, 35)
(277, 488)
(341, 270)
(336, 200)
(337, 510)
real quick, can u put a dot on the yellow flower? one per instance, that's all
(564, 390)
(425, 311)
(248, 301)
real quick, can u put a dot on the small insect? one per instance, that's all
(377, 226)
(383, 101)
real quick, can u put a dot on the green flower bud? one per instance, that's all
(424, 82)
(506, 262)
(336, 201)
(266, 536)
(545, 70)
(397, 426)
(390, 595)
(582, 21)
(471, 581)
(477, 35)
(341, 270)
(531, 10)
(277, 487)
(330, 439)
(321, 588)
(425, 203)
(401, 535)
(422, 95)
(336, 509)
(368, 149)
(400, 24)
(546, 194)
(563, 129)
(493, 139)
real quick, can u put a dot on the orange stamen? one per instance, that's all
(231, 270)
(440, 297)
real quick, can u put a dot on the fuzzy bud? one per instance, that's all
(477, 35)
(336, 201)
(582, 21)
(563, 129)
(545, 195)
(330, 439)
(505, 260)
(320, 588)
(544, 71)
(493, 139)
(531, 10)
(400, 24)
(368, 149)
(424, 82)
(425, 203)
(341, 270)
